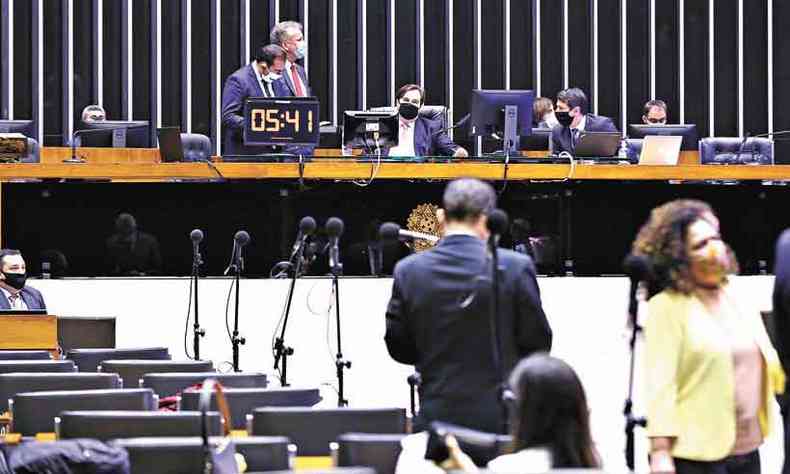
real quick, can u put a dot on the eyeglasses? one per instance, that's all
(411, 101)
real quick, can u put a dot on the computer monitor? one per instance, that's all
(687, 131)
(538, 140)
(506, 113)
(116, 134)
(364, 129)
(25, 127)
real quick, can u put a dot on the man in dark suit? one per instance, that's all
(571, 112)
(288, 35)
(781, 317)
(14, 293)
(261, 78)
(131, 252)
(418, 135)
(438, 318)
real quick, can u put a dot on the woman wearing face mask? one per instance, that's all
(543, 113)
(711, 371)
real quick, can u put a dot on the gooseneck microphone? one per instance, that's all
(196, 236)
(306, 228)
(497, 222)
(334, 229)
(241, 239)
(391, 231)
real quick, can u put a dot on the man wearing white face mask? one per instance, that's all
(288, 35)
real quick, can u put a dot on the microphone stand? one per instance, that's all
(281, 351)
(631, 421)
(197, 261)
(237, 340)
(493, 244)
(340, 363)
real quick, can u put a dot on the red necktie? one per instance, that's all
(297, 83)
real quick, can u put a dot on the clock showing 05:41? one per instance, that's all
(281, 121)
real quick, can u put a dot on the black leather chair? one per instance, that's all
(132, 371)
(439, 113)
(197, 147)
(736, 151)
(13, 383)
(168, 384)
(35, 412)
(88, 360)
(184, 455)
(33, 155)
(243, 401)
(25, 355)
(106, 425)
(8, 366)
(379, 451)
(313, 429)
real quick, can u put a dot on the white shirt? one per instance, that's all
(266, 86)
(287, 70)
(405, 139)
(18, 302)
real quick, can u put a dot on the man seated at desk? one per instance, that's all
(573, 118)
(420, 136)
(14, 294)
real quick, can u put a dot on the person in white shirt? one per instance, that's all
(14, 294)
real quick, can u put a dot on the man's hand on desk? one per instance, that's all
(460, 152)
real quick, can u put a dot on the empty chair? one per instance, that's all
(13, 383)
(736, 151)
(379, 451)
(35, 412)
(106, 425)
(25, 355)
(185, 455)
(132, 371)
(313, 429)
(243, 401)
(88, 360)
(197, 147)
(168, 384)
(8, 366)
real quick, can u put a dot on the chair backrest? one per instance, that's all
(132, 371)
(379, 451)
(86, 332)
(734, 150)
(197, 147)
(88, 360)
(25, 355)
(433, 112)
(106, 425)
(168, 384)
(33, 155)
(35, 412)
(313, 429)
(8, 366)
(13, 383)
(633, 148)
(243, 401)
(184, 455)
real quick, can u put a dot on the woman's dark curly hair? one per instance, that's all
(662, 239)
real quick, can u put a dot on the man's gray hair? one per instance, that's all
(468, 198)
(281, 31)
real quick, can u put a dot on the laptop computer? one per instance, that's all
(660, 150)
(597, 144)
(171, 149)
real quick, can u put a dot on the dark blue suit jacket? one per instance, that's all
(438, 320)
(31, 296)
(430, 139)
(238, 87)
(289, 84)
(561, 136)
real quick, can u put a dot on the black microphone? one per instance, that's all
(497, 223)
(196, 236)
(306, 228)
(241, 239)
(460, 123)
(334, 228)
(637, 267)
(390, 231)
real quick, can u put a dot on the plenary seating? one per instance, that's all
(169, 384)
(313, 429)
(35, 412)
(132, 371)
(88, 360)
(197, 147)
(13, 383)
(9, 366)
(242, 401)
(379, 451)
(184, 455)
(25, 355)
(106, 425)
(736, 151)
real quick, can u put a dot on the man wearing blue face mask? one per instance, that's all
(288, 35)
(573, 117)
(261, 78)
(14, 294)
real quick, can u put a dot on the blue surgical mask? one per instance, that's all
(301, 49)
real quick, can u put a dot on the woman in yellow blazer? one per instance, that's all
(711, 371)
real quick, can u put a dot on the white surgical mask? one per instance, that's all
(551, 120)
(301, 49)
(271, 77)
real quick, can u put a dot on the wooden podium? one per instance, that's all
(29, 332)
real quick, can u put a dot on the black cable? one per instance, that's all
(214, 168)
(504, 176)
(186, 323)
(227, 308)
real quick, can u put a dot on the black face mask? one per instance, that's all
(15, 280)
(564, 118)
(408, 110)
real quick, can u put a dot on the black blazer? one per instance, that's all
(782, 298)
(438, 320)
(561, 136)
(31, 296)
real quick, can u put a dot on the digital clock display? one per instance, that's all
(278, 121)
